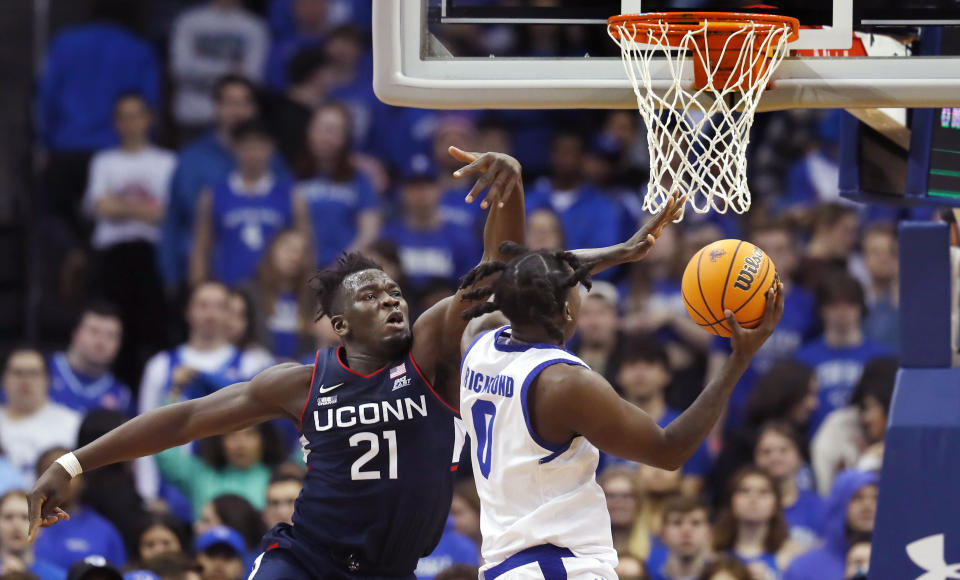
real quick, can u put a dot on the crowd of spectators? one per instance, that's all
(200, 180)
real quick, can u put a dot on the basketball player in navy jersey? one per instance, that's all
(376, 417)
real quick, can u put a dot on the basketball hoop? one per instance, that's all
(698, 129)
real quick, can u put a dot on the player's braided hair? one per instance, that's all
(531, 288)
(327, 282)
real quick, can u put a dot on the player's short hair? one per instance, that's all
(251, 129)
(233, 79)
(532, 286)
(683, 504)
(327, 282)
(643, 348)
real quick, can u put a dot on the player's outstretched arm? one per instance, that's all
(439, 330)
(569, 400)
(277, 392)
(639, 244)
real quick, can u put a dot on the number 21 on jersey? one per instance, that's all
(371, 439)
(483, 414)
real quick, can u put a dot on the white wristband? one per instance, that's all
(69, 462)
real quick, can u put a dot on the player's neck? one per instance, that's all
(83, 366)
(843, 337)
(362, 362)
(532, 334)
(750, 538)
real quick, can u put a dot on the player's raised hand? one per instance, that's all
(747, 341)
(498, 171)
(50, 490)
(640, 244)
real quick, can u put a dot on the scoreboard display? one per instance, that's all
(944, 178)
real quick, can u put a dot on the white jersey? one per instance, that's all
(533, 493)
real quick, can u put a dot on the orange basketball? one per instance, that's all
(728, 274)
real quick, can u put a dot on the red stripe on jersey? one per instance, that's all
(272, 546)
(429, 386)
(340, 360)
(316, 358)
(454, 467)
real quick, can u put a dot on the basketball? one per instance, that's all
(727, 274)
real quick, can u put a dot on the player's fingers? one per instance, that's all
(495, 193)
(61, 515)
(35, 502)
(475, 168)
(732, 322)
(769, 310)
(461, 155)
(479, 186)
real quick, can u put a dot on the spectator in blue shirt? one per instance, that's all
(881, 285)
(849, 519)
(838, 356)
(751, 526)
(349, 73)
(780, 244)
(459, 130)
(308, 26)
(87, 68)
(284, 304)
(779, 452)
(86, 533)
(344, 210)
(238, 218)
(200, 165)
(589, 219)
(788, 392)
(643, 376)
(686, 534)
(80, 377)
(429, 247)
(16, 551)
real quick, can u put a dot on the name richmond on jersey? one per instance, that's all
(480, 383)
(369, 413)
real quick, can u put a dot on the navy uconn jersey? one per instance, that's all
(379, 450)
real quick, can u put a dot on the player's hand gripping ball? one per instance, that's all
(728, 275)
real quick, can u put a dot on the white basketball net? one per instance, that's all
(698, 137)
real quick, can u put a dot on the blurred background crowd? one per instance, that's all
(197, 161)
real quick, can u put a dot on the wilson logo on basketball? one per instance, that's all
(751, 266)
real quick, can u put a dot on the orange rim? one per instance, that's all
(639, 26)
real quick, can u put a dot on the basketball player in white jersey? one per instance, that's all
(537, 414)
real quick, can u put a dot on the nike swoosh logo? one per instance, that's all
(328, 389)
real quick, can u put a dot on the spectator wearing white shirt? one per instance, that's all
(30, 423)
(207, 42)
(127, 195)
(186, 370)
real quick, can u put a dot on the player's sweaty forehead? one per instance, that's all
(366, 279)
